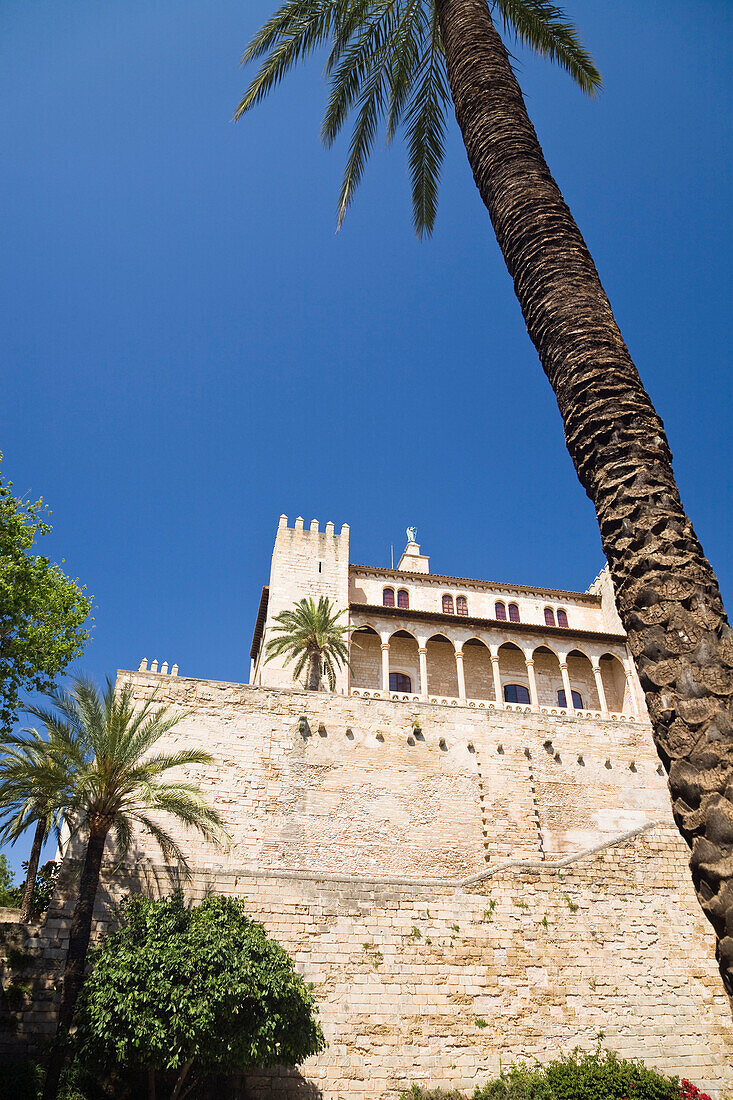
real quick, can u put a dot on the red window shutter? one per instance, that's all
(462, 605)
(549, 617)
(513, 613)
(447, 605)
(500, 611)
(562, 618)
(388, 597)
(403, 599)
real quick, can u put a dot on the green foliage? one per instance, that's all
(115, 772)
(202, 985)
(311, 632)
(599, 1075)
(385, 63)
(11, 896)
(7, 890)
(42, 611)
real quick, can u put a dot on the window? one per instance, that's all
(516, 693)
(388, 597)
(562, 617)
(461, 605)
(577, 699)
(549, 617)
(403, 599)
(513, 613)
(500, 611)
(447, 605)
(398, 681)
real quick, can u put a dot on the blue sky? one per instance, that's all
(189, 349)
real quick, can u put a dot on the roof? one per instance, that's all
(259, 623)
(397, 574)
(468, 620)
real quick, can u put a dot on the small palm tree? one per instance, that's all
(312, 635)
(36, 786)
(118, 783)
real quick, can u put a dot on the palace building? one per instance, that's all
(467, 846)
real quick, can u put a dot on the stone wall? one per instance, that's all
(433, 868)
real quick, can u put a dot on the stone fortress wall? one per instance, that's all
(467, 881)
(433, 868)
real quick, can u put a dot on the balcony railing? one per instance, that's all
(483, 704)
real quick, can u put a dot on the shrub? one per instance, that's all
(600, 1075)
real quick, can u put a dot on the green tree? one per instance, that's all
(36, 785)
(42, 611)
(402, 61)
(118, 783)
(7, 890)
(312, 636)
(184, 990)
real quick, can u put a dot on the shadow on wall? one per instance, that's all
(283, 1082)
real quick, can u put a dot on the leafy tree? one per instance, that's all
(310, 634)
(36, 786)
(401, 61)
(118, 782)
(7, 890)
(42, 611)
(180, 991)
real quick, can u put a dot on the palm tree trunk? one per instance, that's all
(81, 927)
(314, 670)
(30, 880)
(667, 593)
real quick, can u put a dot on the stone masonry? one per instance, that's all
(467, 878)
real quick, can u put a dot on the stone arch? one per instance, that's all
(613, 676)
(547, 674)
(477, 669)
(582, 680)
(403, 657)
(365, 656)
(512, 666)
(442, 671)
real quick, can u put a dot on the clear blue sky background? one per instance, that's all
(189, 349)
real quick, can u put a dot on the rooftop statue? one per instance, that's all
(412, 534)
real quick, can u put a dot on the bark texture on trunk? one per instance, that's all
(81, 927)
(314, 670)
(26, 907)
(667, 593)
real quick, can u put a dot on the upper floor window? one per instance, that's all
(549, 617)
(577, 699)
(388, 597)
(447, 604)
(513, 613)
(500, 611)
(461, 605)
(516, 693)
(562, 617)
(403, 598)
(399, 681)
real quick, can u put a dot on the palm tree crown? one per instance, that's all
(312, 635)
(386, 61)
(117, 779)
(36, 786)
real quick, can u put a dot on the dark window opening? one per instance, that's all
(577, 699)
(516, 693)
(398, 681)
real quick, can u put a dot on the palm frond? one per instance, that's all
(544, 28)
(426, 122)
